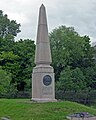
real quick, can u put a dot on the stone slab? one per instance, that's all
(73, 118)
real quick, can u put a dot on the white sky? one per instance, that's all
(80, 14)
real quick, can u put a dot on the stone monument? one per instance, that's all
(43, 89)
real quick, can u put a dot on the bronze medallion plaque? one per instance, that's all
(47, 80)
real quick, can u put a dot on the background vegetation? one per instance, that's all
(74, 62)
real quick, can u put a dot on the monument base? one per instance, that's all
(43, 89)
(43, 100)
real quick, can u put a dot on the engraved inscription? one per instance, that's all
(47, 90)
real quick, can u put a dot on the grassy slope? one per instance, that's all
(22, 109)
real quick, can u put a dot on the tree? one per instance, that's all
(6, 88)
(9, 63)
(69, 49)
(90, 74)
(71, 79)
(8, 28)
(19, 61)
(74, 63)
(6, 45)
(16, 57)
(25, 49)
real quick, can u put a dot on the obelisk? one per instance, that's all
(43, 89)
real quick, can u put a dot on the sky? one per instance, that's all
(80, 14)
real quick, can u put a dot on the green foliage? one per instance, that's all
(25, 49)
(4, 81)
(9, 62)
(6, 88)
(90, 73)
(6, 45)
(71, 80)
(16, 58)
(68, 48)
(66, 44)
(72, 59)
(21, 109)
(8, 56)
(7, 27)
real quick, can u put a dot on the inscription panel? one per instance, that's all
(47, 90)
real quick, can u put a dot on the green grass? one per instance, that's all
(24, 109)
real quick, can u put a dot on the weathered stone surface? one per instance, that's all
(81, 116)
(43, 54)
(5, 118)
(90, 118)
(43, 89)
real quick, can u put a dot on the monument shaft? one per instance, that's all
(43, 54)
(43, 74)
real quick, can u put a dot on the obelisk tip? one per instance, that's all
(42, 5)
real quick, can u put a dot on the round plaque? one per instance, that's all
(47, 80)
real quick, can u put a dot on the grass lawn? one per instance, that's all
(24, 109)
